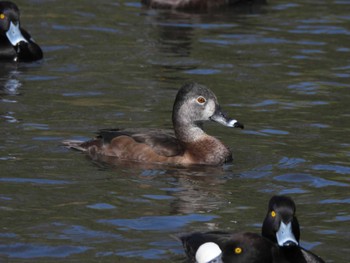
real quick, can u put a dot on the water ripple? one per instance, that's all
(244, 39)
(335, 201)
(286, 162)
(30, 250)
(33, 181)
(320, 29)
(91, 28)
(274, 131)
(307, 178)
(203, 71)
(334, 168)
(158, 222)
(101, 206)
(151, 253)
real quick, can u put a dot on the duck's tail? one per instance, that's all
(75, 145)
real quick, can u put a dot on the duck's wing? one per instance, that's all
(311, 257)
(29, 51)
(297, 254)
(163, 142)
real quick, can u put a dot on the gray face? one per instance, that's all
(205, 109)
(201, 108)
(195, 104)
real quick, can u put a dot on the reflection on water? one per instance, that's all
(12, 84)
(9, 88)
(187, 192)
(282, 68)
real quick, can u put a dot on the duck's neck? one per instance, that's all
(188, 132)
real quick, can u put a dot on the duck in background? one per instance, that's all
(16, 43)
(198, 5)
(187, 144)
(279, 242)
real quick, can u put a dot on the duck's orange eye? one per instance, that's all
(201, 100)
(273, 213)
(2, 16)
(238, 250)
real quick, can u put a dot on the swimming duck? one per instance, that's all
(16, 43)
(281, 226)
(187, 144)
(279, 242)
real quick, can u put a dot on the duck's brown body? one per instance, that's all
(208, 150)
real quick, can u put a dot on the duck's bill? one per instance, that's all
(285, 236)
(14, 34)
(219, 117)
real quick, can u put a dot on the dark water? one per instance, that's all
(283, 69)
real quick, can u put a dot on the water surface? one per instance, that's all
(282, 69)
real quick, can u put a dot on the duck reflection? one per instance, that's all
(202, 191)
(9, 83)
(196, 5)
(176, 31)
(195, 189)
(9, 89)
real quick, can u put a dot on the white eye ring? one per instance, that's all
(201, 100)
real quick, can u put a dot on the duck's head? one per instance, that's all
(281, 225)
(209, 252)
(10, 22)
(195, 104)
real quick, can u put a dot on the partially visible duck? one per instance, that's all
(281, 226)
(279, 242)
(234, 247)
(187, 144)
(16, 43)
(192, 4)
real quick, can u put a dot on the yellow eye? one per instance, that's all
(201, 100)
(238, 250)
(2, 16)
(273, 213)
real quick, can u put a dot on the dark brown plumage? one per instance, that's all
(275, 245)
